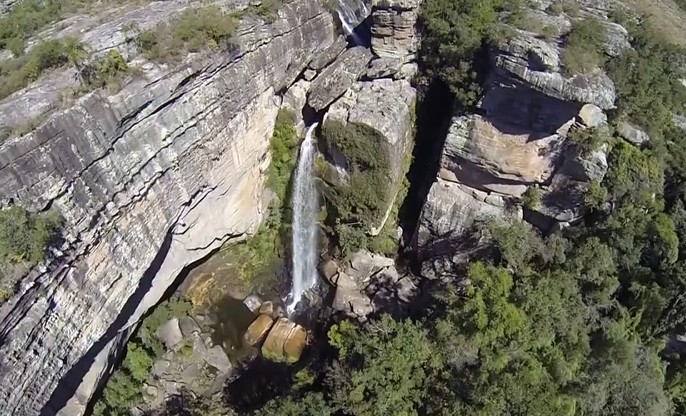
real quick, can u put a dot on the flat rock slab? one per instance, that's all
(258, 329)
(337, 78)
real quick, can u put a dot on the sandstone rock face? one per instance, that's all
(393, 28)
(258, 329)
(387, 106)
(285, 341)
(148, 181)
(335, 80)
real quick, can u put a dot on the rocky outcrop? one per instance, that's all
(368, 283)
(148, 181)
(257, 330)
(632, 134)
(386, 106)
(537, 63)
(337, 78)
(393, 28)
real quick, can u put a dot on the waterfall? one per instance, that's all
(305, 209)
(350, 19)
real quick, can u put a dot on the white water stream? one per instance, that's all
(305, 209)
(350, 19)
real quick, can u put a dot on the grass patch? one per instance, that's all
(196, 29)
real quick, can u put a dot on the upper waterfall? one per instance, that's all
(304, 222)
(351, 14)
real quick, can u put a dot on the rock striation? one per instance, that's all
(148, 181)
(519, 139)
(393, 28)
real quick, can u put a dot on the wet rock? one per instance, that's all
(258, 329)
(592, 116)
(632, 134)
(188, 326)
(335, 80)
(285, 341)
(216, 357)
(170, 334)
(253, 303)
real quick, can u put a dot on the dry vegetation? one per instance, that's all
(671, 17)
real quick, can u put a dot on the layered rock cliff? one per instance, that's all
(519, 141)
(148, 181)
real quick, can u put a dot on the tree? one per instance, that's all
(76, 55)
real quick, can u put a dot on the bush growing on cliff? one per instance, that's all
(16, 74)
(206, 27)
(584, 46)
(25, 237)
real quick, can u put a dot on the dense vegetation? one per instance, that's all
(24, 239)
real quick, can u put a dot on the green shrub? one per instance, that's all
(531, 198)
(283, 146)
(595, 195)
(588, 140)
(266, 9)
(107, 72)
(206, 27)
(16, 74)
(584, 46)
(25, 237)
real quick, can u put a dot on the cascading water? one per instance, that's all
(304, 222)
(349, 19)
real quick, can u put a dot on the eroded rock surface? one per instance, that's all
(393, 28)
(148, 181)
(337, 78)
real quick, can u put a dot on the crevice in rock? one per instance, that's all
(433, 114)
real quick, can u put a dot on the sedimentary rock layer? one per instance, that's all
(147, 181)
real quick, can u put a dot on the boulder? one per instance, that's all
(406, 289)
(285, 341)
(188, 326)
(295, 98)
(329, 269)
(349, 298)
(267, 308)
(384, 68)
(170, 334)
(632, 134)
(258, 329)
(592, 116)
(329, 55)
(216, 357)
(335, 80)
(253, 302)
(364, 264)
(393, 28)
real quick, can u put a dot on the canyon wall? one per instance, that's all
(148, 181)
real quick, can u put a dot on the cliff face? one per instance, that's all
(148, 181)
